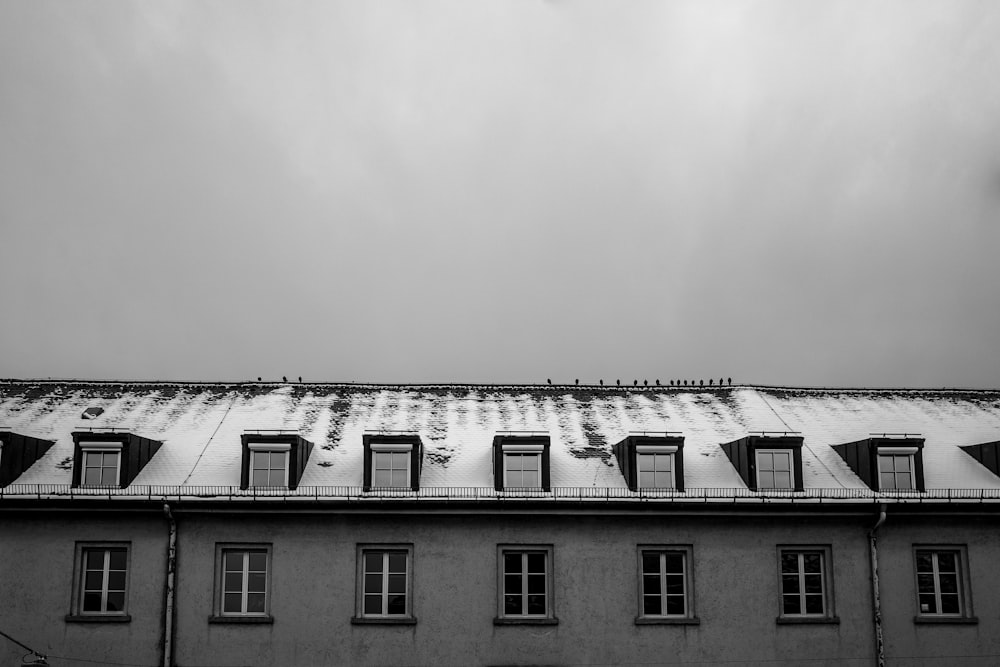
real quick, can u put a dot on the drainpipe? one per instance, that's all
(168, 612)
(876, 600)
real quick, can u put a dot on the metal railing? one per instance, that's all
(473, 493)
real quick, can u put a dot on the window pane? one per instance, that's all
(234, 561)
(95, 559)
(117, 559)
(814, 604)
(232, 603)
(651, 604)
(782, 462)
(512, 562)
(536, 563)
(814, 583)
(233, 582)
(924, 561)
(947, 562)
(675, 605)
(116, 601)
(903, 481)
(791, 604)
(927, 604)
(373, 583)
(260, 478)
(373, 604)
(925, 583)
(949, 583)
(397, 563)
(651, 583)
(256, 582)
(789, 583)
(647, 480)
(811, 563)
(92, 602)
(258, 561)
(382, 478)
(512, 604)
(675, 584)
(255, 603)
(782, 480)
(887, 480)
(650, 563)
(529, 462)
(397, 604)
(536, 583)
(789, 563)
(397, 584)
(765, 479)
(399, 479)
(93, 477)
(373, 561)
(512, 583)
(674, 562)
(514, 479)
(93, 581)
(116, 581)
(278, 460)
(260, 461)
(949, 604)
(536, 604)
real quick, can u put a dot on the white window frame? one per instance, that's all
(661, 551)
(654, 451)
(390, 449)
(963, 586)
(512, 450)
(269, 448)
(80, 584)
(385, 550)
(102, 448)
(221, 550)
(887, 455)
(524, 551)
(791, 468)
(826, 582)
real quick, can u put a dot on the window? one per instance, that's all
(774, 469)
(521, 462)
(525, 584)
(806, 590)
(895, 468)
(268, 464)
(391, 465)
(656, 470)
(522, 471)
(101, 591)
(769, 461)
(101, 463)
(243, 575)
(665, 584)
(943, 592)
(385, 584)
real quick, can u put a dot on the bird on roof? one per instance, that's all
(258, 378)
(618, 382)
(284, 379)
(300, 378)
(602, 382)
(730, 381)
(578, 380)
(657, 382)
(645, 383)
(549, 380)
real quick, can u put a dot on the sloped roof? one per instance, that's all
(200, 427)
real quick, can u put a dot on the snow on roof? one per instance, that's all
(200, 426)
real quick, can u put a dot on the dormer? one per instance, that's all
(887, 461)
(110, 457)
(988, 453)
(521, 461)
(652, 460)
(392, 460)
(770, 460)
(18, 453)
(273, 458)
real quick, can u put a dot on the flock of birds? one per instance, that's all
(635, 383)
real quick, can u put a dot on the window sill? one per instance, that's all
(98, 618)
(242, 619)
(388, 620)
(512, 620)
(945, 620)
(808, 620)
(666, 620)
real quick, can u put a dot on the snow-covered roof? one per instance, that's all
(200, 427)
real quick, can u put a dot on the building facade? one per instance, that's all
(329, 524)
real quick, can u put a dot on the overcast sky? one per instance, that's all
(786, 192)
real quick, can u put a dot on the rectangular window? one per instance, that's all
(522, 471)
(101, 463)
(895, 471)
(665, 583)
(805, 579)
(525, 586)
(391, 469)
(385, 582)
(243, 580)
(102, 575)
(656, 471)
(942, 587)
(269, 464)
(774, 469)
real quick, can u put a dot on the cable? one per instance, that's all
(211, 437)
(24, 646)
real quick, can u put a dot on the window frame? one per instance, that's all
(509, 454)
(890, 453)
(773, 451)
(549, 617)
(516, 442)
(77, 613)
(964, 585)
(362, 618)
(102, 448)
(689, 616)
(219, 615)
(406, 449)
(829, 614)
(668, 451)
(256, 447)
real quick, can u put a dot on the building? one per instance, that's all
(348, 524)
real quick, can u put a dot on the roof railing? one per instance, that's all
(522, 433)
(264, 431)
(103, 429)
(894, 435)
(656, 432)
(766, 434)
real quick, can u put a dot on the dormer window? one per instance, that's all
(273, 459)
(392, 460)
(987, 453)
(652, 461)
(887, 461)
(768, 461)
(18, 453)
(101, 463)
(110, 458)
(521, 461)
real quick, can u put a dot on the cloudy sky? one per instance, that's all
(782, 192)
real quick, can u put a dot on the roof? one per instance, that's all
(200, 425)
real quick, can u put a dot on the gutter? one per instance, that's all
(168, 612)
(876, 598)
